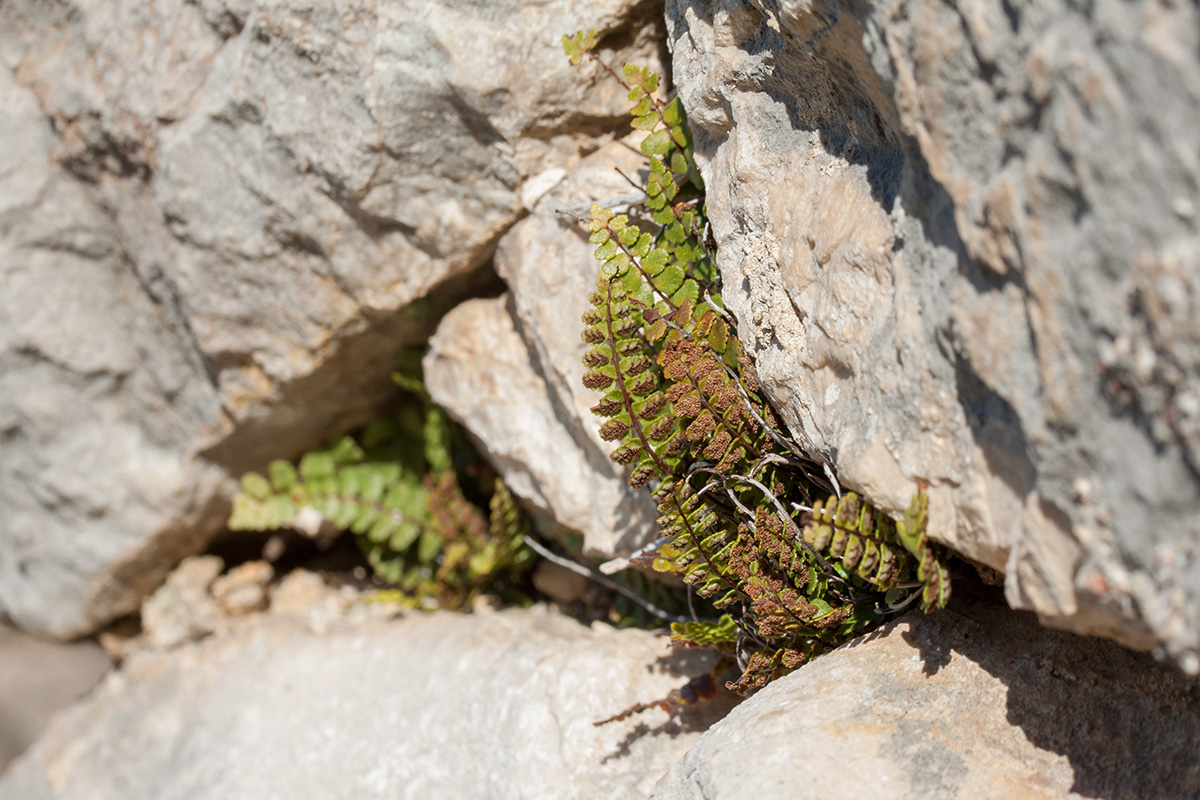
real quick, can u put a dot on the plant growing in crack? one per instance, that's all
(748, 519)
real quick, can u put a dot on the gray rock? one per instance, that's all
(972, 702)
(962, 243)
(432, 705)
(211, 213)
(511, 373)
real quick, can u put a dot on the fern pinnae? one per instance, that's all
(931, 566)
(864, 541)
(611, 324)
(677, 506)
(656, 273)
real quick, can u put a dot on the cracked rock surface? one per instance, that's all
(219, 221)
(962, 242)
(975, 701)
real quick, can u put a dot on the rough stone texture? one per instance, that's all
(210, 213)
(38, 679)
(962, 242)
(510, 369)
(973, 702)
(494, 705)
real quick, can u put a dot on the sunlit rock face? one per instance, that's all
(219, 221)
(961, 241)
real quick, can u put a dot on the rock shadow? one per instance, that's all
(686, 664)
(1128, 725)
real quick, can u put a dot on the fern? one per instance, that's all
(748, 517)
(720, 634)
(851, 531)
(407, 506)
(701, 540)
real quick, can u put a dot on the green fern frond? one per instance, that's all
(720, 634)
(579, 44)
(864, 541)
(406, 504)
(932, 570)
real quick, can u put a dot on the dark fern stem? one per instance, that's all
(752, 523)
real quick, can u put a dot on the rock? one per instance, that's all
(972, 702)
(38, 679)
(512, 374)
(211, 213)
(431, 705)
(243, 589)
(546, 261)
(183, 609)
(961, 243)
(559, 583)
(298, 593)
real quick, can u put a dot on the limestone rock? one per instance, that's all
(972, 702)
(511, 372)
(211, 213)
(496, 705)
(962, 244)
(244, 588)
(183, 609)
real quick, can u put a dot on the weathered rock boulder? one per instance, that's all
(211, 213)
(510, 369)
(962, 242)
(972, 702)
(431, 705)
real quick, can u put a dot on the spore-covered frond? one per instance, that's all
(706, 400)
(621, 365)
(768, 664)
(862, 539)
(701, 539)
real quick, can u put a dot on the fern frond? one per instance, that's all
(682, 221)
(417, 528)
(864, 541)
(701, 541)
(579, 44)
(932, 570)
(765, 666)
(622, 366)
(710, 408)
(721, 634)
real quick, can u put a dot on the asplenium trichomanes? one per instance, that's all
(433, 521)
(750, 521)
